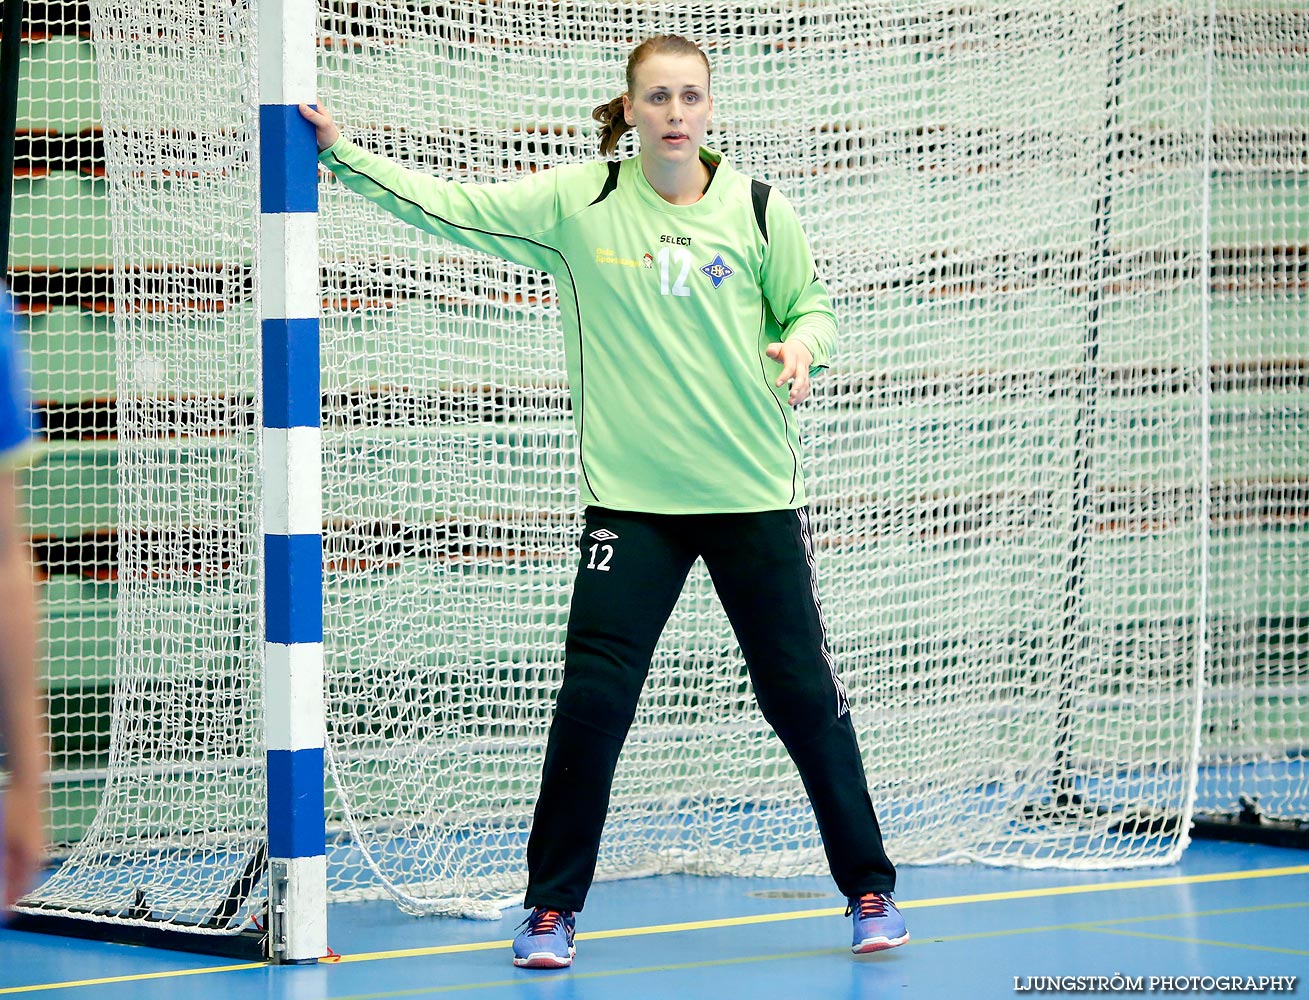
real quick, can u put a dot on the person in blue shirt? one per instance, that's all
(22, 828)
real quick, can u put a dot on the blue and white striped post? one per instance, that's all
(292, 471)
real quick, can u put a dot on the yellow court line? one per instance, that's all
(571, 975)
(788, 956)
(139, 977)
(769, 918)
(743, 921)
(1200, 941)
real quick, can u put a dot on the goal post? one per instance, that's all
(1054, 450)
(292, 483)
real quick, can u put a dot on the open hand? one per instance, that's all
(795, 359)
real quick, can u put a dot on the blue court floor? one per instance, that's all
(1227, 910)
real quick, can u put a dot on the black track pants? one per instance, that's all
(631, 571)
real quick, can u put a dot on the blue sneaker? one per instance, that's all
(546, 940)
(877, 923)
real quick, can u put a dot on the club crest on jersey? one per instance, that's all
(717, 271)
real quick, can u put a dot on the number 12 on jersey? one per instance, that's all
(671, 260)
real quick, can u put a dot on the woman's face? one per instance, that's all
(670, 107)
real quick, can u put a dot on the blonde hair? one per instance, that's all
(613, 125)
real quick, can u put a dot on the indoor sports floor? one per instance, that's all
(1227, 910)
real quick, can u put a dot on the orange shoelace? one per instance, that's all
(543, 921)
(870, 904)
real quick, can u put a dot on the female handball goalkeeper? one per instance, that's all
(693, 320)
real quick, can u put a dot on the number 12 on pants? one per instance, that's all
(599, 557)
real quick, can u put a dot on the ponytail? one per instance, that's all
(613, 125)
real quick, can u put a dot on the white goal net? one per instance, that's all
(1007, 456)
(1255, 735)
(1035, 507)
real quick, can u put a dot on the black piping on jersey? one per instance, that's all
(611, 182)
(759, 192)
(581, 417)
(782, 412)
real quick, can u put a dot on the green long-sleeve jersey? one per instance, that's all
(667, 311)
